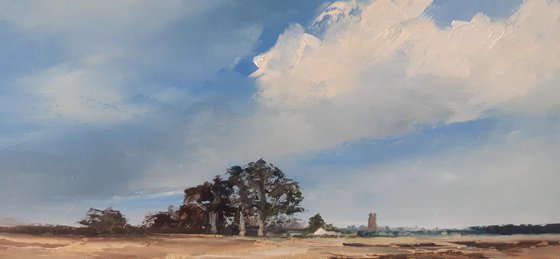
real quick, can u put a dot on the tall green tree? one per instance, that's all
(273, 193)
(242, 197)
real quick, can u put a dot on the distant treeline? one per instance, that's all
(57, 230)
(49, 230)
(516, 229)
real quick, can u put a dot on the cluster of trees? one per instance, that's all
(258, 194)
(104, 221)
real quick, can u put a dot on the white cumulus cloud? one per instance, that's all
(388, 68)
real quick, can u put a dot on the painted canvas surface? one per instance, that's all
(280, 129)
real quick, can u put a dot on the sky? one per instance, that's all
(430, 113)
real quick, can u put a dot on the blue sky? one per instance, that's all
(371, 105)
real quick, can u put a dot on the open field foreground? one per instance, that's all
(193, 246)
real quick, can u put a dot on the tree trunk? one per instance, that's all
(260, 221)
(242, 231)
(212, 219)
(213, 216)
(262, 207)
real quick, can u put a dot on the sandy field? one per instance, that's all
(197, 246)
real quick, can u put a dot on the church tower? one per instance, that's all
(372, 222)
